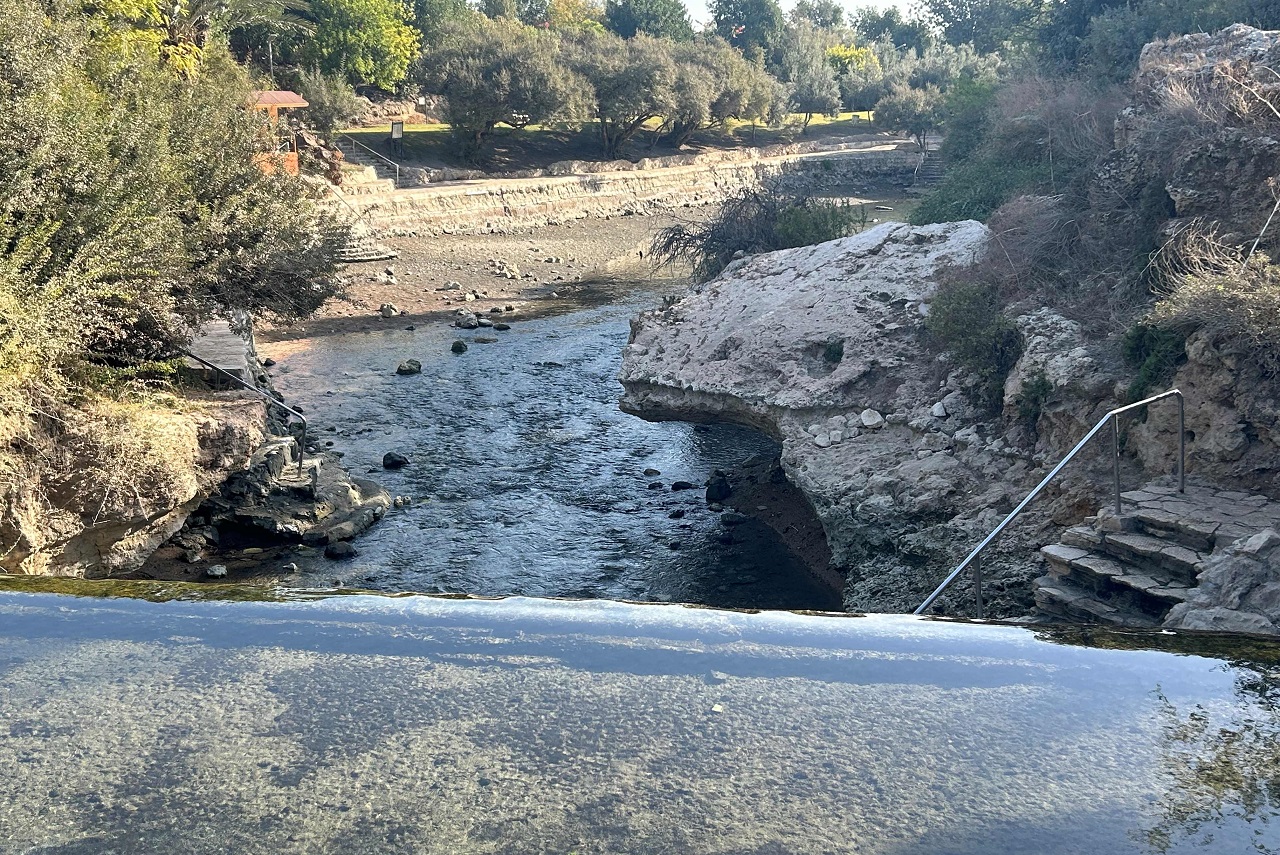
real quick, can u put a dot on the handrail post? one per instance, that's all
(977, 583)
(1182, 445)
(1113, 416)
(1115, 456)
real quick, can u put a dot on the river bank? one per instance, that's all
(525, 478)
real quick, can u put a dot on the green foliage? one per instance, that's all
(1035, 393)
(1155, 354)
(967, 320)
(1040, 136)
(890, 25)
(969, 104)
(333, 103)
(431, 16)
(755, 221)
(823, 14)
(985, 24)
(632, 81)
(500, 72)
(973, 190)
(369, 41)
(803, 66)
(661, 18)
(913, 111)
(752, 26)
(131, 205)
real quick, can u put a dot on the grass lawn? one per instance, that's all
(538, 146)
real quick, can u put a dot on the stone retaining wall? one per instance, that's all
(517, 204)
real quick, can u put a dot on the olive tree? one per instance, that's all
(499, 71)
(912, 111)
(809, 76)
(633, 81)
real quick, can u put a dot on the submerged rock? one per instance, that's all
(394, 460)
(409, 366)
(340, 551)
(459, 346)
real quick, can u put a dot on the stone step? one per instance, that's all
(1064, 599)
(1114, 581)
(1154, 555)
(1198, 535)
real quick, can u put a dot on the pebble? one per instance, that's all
(681, 485)
(502, 327)
(409, 366)
(822, 440)
(871, 419)
(651, 473)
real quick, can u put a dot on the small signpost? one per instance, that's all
(397, 138)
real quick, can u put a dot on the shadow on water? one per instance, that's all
(526, 478)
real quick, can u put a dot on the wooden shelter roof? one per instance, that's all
(278, 98)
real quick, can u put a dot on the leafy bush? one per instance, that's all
(1155, 354)
(1031, 400)
(333, 103)
(1040, 136)
(967, 320)
(752, 222)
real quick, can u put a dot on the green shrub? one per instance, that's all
(752, 222)
(966, 319)
(974, 189)
(1155, 354)
(1031, 400)
(333, 102)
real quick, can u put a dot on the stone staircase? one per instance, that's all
(1130, 569)
(364, 245)
(931, 172)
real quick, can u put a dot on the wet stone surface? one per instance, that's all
(525, 478)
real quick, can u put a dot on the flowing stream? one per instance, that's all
(526, 478)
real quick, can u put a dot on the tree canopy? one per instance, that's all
(661, 18)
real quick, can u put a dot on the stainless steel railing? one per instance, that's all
(355, 142)
(974, 558)
(302, 443)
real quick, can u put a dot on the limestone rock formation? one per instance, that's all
(50, 527)
(1239, 590)
(901, 485)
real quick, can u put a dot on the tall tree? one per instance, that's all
(808, 74)
(874, 24)
(752, 26)
(633, 81)
(499, 71)
(985, 24)
(659, 18)
(370, 41)
(823, 14)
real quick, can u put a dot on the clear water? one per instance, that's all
(365, 724)
(526, 477)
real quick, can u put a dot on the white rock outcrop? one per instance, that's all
(821, 348)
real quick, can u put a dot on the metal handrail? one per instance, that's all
(355, 142)
(302, 444)
(974, 557)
